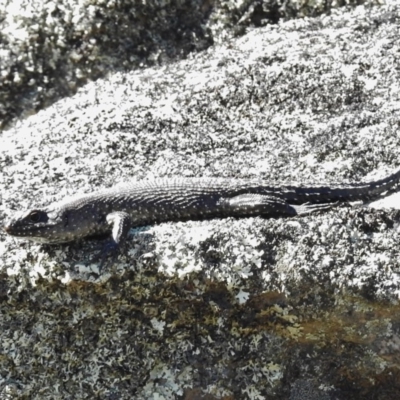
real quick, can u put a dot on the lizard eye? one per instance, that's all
(35, 216)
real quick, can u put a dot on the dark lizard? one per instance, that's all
(118, 209)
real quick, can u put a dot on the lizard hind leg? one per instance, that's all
(267, 205)
(252, 204)
(307, 208)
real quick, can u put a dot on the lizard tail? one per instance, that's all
(353, 192)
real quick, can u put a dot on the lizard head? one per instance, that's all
(58, 223)
(39, 225)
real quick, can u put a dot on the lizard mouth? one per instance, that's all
(10, 229)
(22, 233)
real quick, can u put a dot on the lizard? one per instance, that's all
(118, 209)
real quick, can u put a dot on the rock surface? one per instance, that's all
(50, 49)
(303, 308)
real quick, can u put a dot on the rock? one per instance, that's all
(251, 308)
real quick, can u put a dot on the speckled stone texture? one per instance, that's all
(48, 49)
(301, 308)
